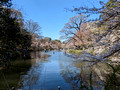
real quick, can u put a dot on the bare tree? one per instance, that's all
(32, 27)
(76, 30)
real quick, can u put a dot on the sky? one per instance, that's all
(51, 15)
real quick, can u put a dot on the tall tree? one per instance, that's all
(109, 17)
(11, 36)
(32, 27)
(76, 30)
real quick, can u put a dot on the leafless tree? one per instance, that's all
(32, 27)
(76, 30)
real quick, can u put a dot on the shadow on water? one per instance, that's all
(52, 69)
(13, 76)
(84, 76)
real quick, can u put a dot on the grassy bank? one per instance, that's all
(78, 52)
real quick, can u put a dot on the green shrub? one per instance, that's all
(106, 50)
(92, 51)
(78, 52)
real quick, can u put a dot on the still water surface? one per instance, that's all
(47, 71)
(58, 70)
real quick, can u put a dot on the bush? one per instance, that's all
(92, 51)
(78, 52)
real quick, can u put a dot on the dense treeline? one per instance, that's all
(18, 36)
(14, 39)
(100, 36)
(45, 43)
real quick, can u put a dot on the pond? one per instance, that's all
(48, 71)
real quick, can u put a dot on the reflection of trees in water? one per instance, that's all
(34, 74)
(80, 76)
(38, 55)
(29, 80)
(110, 75)
(69, 74)
(35, 55)
(100, 76)
(89, 76)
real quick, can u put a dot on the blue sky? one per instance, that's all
(50, 14)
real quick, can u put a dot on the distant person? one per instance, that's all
(53, 52)
(45, 50)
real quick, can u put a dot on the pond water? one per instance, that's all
(56, 70)
(49, 72)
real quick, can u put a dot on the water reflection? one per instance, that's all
(78, 75)
(10, 77)
(45, 74)
(52, 69)
(98, 77)
(31, 80)
(38, 55)
(32, 76)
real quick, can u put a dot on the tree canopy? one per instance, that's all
(109, 17)
(12, 34)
